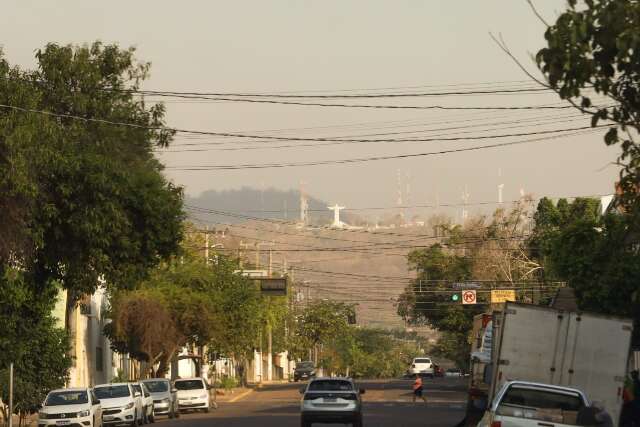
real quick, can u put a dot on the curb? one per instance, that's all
(240, 396)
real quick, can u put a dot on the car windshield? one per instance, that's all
(423, 361)
(58, 398)
(189, 385)
(304, 365)
(112, 392)
(157, 386)
(538, 404)
(330, 385)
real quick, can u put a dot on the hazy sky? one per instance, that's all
(276, 46)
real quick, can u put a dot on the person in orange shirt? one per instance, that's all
(418, 389)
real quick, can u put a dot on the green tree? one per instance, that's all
(31, 341)
(588, 250)
(91, 196)
(594, 46)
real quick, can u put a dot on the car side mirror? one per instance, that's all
(96, 402)
(174, 390)
(362, 391)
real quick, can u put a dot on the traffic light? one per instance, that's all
(455, 297)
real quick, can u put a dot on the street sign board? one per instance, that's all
(252, 273)
(502, 295)
(273, 286)
(469, 297)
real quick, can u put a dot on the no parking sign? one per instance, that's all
(469, 297)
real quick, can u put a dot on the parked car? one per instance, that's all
(453, 372)
(165, 397)
(71, 407)
(528, 404)
(331, 400)
(193, 394)
(146, 402)
(119, 404)
(421, 366)
(304, 371)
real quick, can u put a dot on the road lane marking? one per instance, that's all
(240, 396)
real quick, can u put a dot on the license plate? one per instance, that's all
(330, 400)
(62, 422)
(107, 417)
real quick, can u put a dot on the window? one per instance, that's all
(57, 398)
(112, 392)
(422, 361)
(330, 385)
(157, 386)
(99, 359)
(189, 384)
(540, 404)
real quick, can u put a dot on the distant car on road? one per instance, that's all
(331, 400)
(193, 394)
(528, 404)
(165, 397)
(422, 366)
(71, 407)
(453, 372)
(304, 371)
(119, 404)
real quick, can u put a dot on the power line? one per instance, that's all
(379, 158)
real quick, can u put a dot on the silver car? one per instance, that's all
(165, 398)
(331, 400)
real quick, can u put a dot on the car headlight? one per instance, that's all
(129, 405)
(166, 400)
(42, 414)
(204, 396)
(83, 413)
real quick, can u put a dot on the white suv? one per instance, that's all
(193, 394)
(72, 407)
(119, 404)
(422, 366)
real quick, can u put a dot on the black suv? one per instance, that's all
(304, 371)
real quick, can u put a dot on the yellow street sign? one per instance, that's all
(502, 295)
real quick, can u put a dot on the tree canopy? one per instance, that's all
(594, 47)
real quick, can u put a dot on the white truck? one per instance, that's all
(544, 345)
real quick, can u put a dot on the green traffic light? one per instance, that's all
(455, 297)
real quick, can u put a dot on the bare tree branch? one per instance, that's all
(535, 11)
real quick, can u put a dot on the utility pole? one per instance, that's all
(206, 244)
(271, 244)
(243, 245)
(11, 394)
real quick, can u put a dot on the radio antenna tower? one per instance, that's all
(500, 186)
(399, 199)
(304, 205)
(465, 200)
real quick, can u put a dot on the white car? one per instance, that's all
(422, 366)
(193, 394)
(77, 407)
(119, 404)
(527, 404)
(146, 402)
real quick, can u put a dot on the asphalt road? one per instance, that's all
(386, 403)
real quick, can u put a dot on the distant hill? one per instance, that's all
(268, 204)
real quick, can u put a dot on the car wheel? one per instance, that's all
(206, 410)
(357, 422)
(305, 423)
